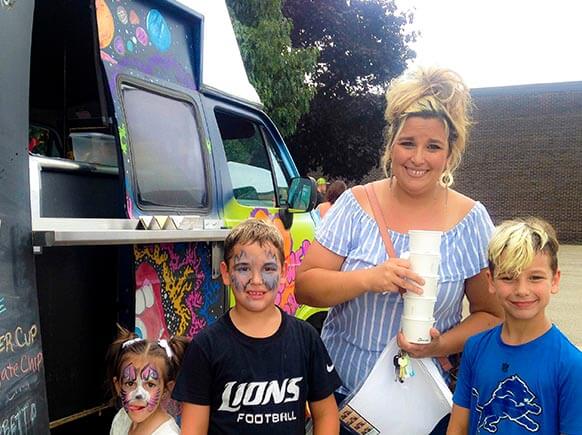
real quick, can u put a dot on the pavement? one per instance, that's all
(565, 308)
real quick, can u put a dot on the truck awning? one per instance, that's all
(222, 66)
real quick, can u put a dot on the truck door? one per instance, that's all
(256, 173)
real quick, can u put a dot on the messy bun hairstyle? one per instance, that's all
(429, 93)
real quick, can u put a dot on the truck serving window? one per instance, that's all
(252, 163)
(166, 152)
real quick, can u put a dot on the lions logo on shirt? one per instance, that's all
(511, 400)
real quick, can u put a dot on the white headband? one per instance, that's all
(130, 342)
(164, 343)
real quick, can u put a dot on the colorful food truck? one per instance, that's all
(130, 141)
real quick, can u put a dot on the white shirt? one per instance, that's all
(122, 423)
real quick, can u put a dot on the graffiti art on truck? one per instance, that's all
(175, 293)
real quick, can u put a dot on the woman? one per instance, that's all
(333, 193)
(347, 266)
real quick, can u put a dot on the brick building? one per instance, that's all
(525, 154)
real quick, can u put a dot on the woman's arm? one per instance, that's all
(325, 416)
(195, 419)
(459, 424)
(320, 283)
(485, 313)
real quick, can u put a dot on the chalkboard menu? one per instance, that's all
(23, 407)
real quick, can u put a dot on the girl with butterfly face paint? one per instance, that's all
(142, 375)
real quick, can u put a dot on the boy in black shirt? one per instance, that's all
(253, 371)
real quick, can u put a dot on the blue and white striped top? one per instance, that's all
(357, 331)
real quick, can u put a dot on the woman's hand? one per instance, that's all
(431, 349)
(394, 275)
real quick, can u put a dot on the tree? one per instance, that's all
(363, 44)
(276, 70)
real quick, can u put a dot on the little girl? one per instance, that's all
(142, 374)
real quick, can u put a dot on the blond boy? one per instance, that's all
(523, 376)
(254, 370)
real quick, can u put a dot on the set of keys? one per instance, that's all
(403, 366)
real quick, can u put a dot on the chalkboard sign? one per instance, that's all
(23, 407)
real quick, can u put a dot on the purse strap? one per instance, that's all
(444, 361)
(379, 218)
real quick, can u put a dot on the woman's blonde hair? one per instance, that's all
(515, 243)
(429, 93)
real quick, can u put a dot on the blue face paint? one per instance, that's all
(241, 275)
(270, 272)
(244, 266)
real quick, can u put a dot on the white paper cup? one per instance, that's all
(430, 287)
(424, 264)
(425, 242)
(416, 330)
(419, 308)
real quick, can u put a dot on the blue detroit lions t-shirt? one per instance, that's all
(534, 388)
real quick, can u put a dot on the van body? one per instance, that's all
(130, 140)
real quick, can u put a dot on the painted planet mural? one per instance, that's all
(158, 30)
(133, 18)
(118, 45)
(104, 23)
(122, 14)
(141, 36)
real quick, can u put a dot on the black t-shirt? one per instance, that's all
(256, 385)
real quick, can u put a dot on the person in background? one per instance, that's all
(348, 268)
(523, 376)
(333, 193)
(321, 189)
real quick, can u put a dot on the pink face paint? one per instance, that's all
(143, 392)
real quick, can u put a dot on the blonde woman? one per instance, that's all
(347, 266)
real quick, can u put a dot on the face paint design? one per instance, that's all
(244, 267)
(141, 392)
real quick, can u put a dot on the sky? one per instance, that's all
(500, 42)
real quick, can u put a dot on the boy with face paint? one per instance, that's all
(254, 370)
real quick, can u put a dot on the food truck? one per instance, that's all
(131, 139)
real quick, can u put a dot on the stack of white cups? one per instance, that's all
(424, 257)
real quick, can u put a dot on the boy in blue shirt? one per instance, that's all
(523, 376)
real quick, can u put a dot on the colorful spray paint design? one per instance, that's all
(175, 293)
(126, 33)
(139, 41)
(286, 292)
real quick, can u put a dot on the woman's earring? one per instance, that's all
(446, 178)
(390, 174)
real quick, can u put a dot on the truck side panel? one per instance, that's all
(22, 393)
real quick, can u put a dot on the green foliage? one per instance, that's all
(363, 44)
(276, 70)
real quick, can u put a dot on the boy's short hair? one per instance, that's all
(254, 231)
(516, 242)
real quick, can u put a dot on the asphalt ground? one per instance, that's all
(565, 308)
